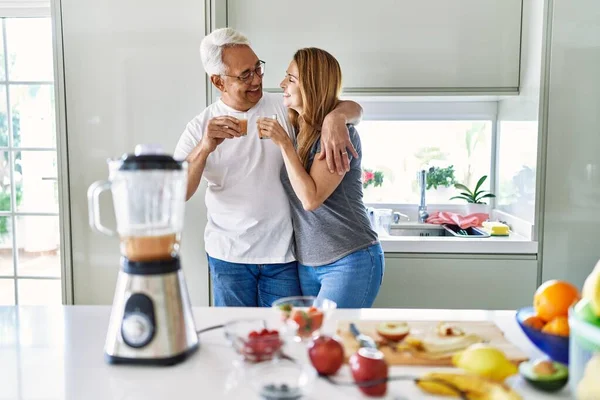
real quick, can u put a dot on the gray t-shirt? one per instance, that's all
(340, 226)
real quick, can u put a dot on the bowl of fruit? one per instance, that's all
(309, 312)
(256, 340)
(546, 324)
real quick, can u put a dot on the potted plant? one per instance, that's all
(474, 198)
(372, 182)
(439, 182)
(370, 177)
(437, 176)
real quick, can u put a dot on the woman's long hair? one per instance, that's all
(320, 78)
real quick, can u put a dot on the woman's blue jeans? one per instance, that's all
(352, 281)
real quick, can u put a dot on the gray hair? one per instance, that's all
(211, 48)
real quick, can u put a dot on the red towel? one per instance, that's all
(464, 222)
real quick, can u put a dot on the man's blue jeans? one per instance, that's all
(352, 281)
(252, 285)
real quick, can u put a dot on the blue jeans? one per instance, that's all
(252, 285)
(352, 281)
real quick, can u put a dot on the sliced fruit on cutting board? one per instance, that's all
(426, 345)
(393, 331)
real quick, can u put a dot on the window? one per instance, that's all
(517, 160)
(30, 266)
(452, 151)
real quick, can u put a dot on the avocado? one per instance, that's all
(545, 375)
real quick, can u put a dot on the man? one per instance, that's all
(248, 237)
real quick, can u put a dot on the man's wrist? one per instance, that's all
(199, 154)
(204, 153)
(334, 117)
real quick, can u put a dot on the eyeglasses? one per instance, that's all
(247, 76)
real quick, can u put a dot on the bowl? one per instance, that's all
(258, 340)
(282, 379)
(309, 312)
(554, 346)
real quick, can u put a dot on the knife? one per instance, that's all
(362, 339)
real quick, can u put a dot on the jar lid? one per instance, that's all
(149, 157)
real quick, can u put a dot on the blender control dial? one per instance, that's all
(137, 327)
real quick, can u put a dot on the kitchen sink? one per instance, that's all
(416, 229)
(431, 230)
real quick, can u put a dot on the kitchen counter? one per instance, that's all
(513, 244)
(57, 353)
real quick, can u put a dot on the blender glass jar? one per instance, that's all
(148, 190)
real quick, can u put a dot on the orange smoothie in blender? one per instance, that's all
(150, 248)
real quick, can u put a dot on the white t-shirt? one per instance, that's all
(249, 218)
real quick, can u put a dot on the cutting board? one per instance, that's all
(485, 329)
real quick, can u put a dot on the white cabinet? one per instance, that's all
(571, 187)
(132, 74)
(477, 282)
(390, 45)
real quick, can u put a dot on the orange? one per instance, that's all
(553, 299)
(535, 322)
(558, 326)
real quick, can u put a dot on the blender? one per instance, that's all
(151, 319)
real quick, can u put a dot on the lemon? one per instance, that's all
(486, 361)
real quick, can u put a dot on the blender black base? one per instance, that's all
(168, 361)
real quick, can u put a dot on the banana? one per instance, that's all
(474, 387)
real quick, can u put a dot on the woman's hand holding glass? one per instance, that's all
(269, 128)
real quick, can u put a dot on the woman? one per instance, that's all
(339, 255)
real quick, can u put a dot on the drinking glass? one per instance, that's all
(243, 118)
(260, 136)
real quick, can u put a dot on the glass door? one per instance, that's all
(30, 260)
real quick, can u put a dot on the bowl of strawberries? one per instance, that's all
(308, 312)
(258, 340)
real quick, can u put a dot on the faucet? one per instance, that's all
(423, 215)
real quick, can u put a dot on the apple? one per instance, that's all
(326, 354)
(393, 331)
(366, 365)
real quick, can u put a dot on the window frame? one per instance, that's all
(24, 8)
(451, 108)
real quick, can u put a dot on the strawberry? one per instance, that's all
(308, 321)
(262, 346)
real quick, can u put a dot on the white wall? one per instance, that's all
(572, 178)
(132, 75)
(518, 117)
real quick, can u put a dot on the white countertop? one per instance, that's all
(513, 244)
(57, 353)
